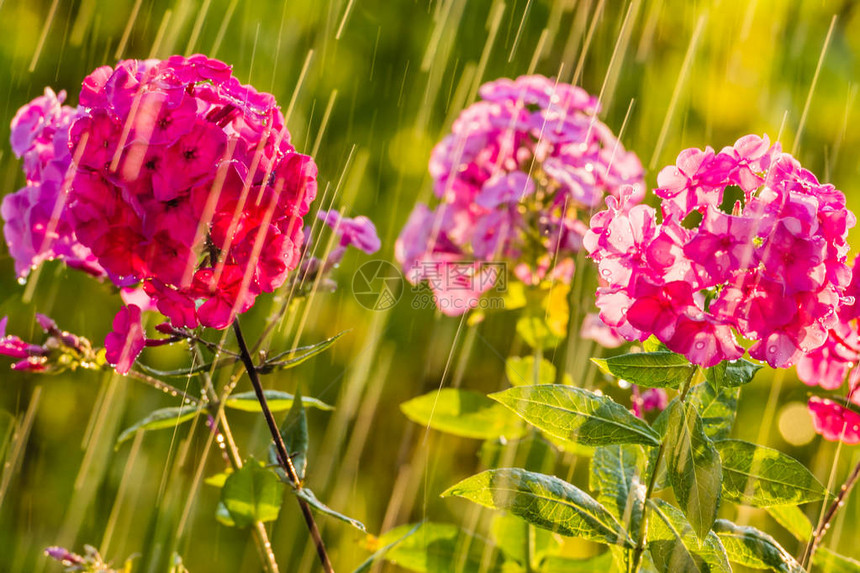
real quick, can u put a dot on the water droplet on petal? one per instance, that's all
(700, 345)
(771, 350)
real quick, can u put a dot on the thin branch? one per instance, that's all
(283, 457)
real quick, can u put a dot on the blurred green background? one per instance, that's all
(373, 84)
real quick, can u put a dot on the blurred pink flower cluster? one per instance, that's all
(770, 266)
(516, 178)
(37, 227)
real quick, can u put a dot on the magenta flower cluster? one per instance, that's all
(186, 182)
(770, 266)
(514, 178)
(38, 228)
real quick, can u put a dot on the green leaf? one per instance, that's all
(557, 564)
(659, 425)
(675, 547)
(793, 519)
(716, 408)
(222, 515)
(544, 501)
(463, 413)
(380, 553)
(218, 479)
(294, 432)
(827, 560)
(577, 415)
(653, 344)
(616, 477)
(159, 419)
(762, 477)
(731, 373)
(521, 371)
(297, 356)
(434, 548)
(511, 534)
(648, 369)
(278, 402)
(693, 465)
(315, 503)
(753, 548)
(251, 494)
(186, 372)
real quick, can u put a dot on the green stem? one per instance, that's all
(822, 528)
(283, 457)
(643, 524)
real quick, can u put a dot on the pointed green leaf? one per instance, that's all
(463, 413)
(731, 373)
(617, 478)
(251, 494)
(659, 425)
(675, 547)
(717, 409)
(315, 503)
(826, 560)
(380, 553)
(297, 356)
(521, 371)
(753, 548)
(544, 501)
(278, 402)
(435, 548)
(694, 469)
(617, 474)
(648, 369)
(577, 415)
(186, 372)
(792, 519)
(294, 432)
(159, 419)
(762, 477)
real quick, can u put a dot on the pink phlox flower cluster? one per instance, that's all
(771, 267)
(186, 182)
(515, 177)
(830, 365)
(838, 420)
(37, 227)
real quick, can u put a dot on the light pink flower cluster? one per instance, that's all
(514, 178)
(770, 267)
(186, 181)
(37, 228)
